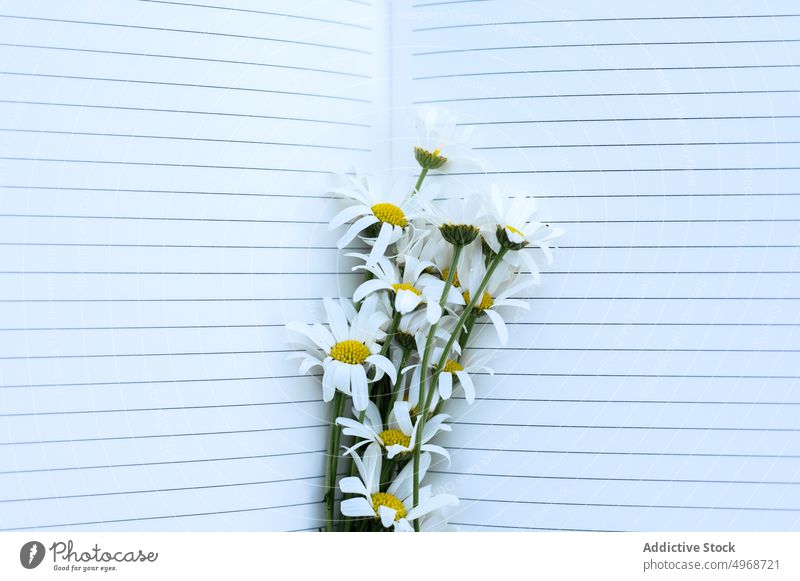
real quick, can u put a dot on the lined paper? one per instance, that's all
(653, 384)
(162, 215)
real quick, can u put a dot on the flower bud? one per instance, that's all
(459, 234)
(506, 242)
(429, 159)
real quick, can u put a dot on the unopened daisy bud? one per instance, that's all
(405, 340)
(429, 159)
(459, 234)
(504, 237)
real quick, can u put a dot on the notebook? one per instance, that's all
(163, 213)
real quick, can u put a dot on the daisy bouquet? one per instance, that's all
(393, 355)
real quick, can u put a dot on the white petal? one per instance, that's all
(499, 325)
(406, 301)
(403, 485)
(445, 385)
(384, 365)
(369, 287)
(381, 242)
(327, 383)
(357, 507)
(387, 515)
(352, 485)
(347, 214)
(466, 383)
(434, 449)
(354, 230)
(373, 460)
(341, 376)
(434, 503)
(402, 415)
(359, 388)
(434, 312)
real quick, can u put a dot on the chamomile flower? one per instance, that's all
(401, 435)
(498, 292)
(346, 349)
(411, 288)
(380, 205)
(440, 139)
(394, 507)
(459, 220)
(511, 225)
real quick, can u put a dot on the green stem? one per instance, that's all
(396, 390)
(422, 411)
(333, 460)
(421, 179)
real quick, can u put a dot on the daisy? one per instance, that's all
(411, 289)
(498, 292)
(379, 205)
(440, 139)
(511, 225)
(395, 507)
(346, 349)
(401, 436)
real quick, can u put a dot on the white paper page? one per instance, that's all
(163, 213)
(654, 383)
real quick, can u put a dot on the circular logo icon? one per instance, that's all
(31, 554)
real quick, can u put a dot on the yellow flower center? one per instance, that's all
(350, 351)
(437, 151)
(515, 231)
(390, 214)
(380, 499)
(446, 273)
(408, 287)
(452, 366)
(487, 302)
(394, 437)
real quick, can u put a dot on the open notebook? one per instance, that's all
(163, 212)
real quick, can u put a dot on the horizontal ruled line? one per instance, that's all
(149, 436)
(626, 453)
(147, 518)
(625, 401)
(161, 490)
(162, 164)
(651, 428)
(170, 354)
(185, 58)
(621, 170)
(162, 409)
(185, 31)
(627, 119)
(188, 85)
(616, 19)
(596, 45)
(604, 70)
(264, 12)
(158, 381)
(605, 95)
(162, 463)
(670, 480)
(187, 111)
(610, 505)
(528, 528)
(181, 138)
(665, 144)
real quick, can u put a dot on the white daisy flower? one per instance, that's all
(346, 349)
(400, 437)
(394, 507)
(511, 225)
(411, 288)
(498, 292)
(440, 139)
(387, 206)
